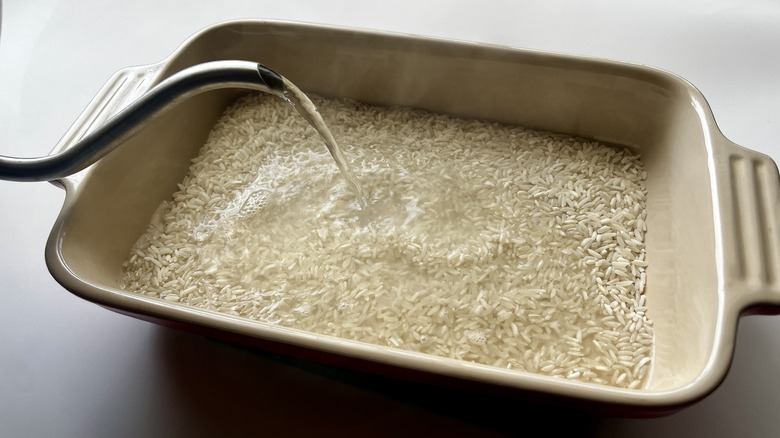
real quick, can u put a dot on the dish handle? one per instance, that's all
(750, 218)
(123, 88)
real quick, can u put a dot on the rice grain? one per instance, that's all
(483, 242)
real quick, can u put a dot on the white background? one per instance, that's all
(69, 368)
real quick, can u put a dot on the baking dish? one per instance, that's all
(712, 243)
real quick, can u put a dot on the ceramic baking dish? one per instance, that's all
(712, 243)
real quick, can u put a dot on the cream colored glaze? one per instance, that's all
(700, 274)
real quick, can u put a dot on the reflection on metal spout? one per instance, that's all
(169, 93)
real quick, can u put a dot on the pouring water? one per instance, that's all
(306, 108)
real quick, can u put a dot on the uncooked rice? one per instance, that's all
(483, 242)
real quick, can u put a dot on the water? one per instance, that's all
(306, 108)
(474, 246)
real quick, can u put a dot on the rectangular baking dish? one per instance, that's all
(712, 243)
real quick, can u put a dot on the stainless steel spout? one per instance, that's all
(169, 93)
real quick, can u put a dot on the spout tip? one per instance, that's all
(272, 79)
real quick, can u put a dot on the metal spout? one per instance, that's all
(169, 93)
(273, 80)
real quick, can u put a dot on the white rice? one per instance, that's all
(484, 242)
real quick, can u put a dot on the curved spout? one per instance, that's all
(169, 93)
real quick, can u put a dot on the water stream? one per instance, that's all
(304, 106)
